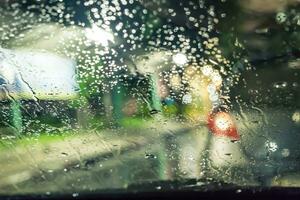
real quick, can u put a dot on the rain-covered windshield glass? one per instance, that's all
(116, 94)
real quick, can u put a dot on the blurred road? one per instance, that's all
(160, 150)
(28, 169)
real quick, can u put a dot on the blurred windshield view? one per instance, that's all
(98, 95)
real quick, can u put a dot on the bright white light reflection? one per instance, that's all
(296, 117)
(223, 122)
(217, 79)
(99, 36)
(271, 146)
(180, 59)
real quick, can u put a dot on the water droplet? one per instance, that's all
(271, 146)
(75, 194)
(238, 191)
(150, 156)
(285, 152)
(48, 193)
(295, 84)
(296, 117)
(153, 112)
(280, 85)
(64, 154)
(281, 17)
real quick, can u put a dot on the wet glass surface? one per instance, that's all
(118, 94)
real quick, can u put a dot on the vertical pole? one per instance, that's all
(117, 102)
(16, 115)
(155, 99)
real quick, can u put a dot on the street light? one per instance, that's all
(99, 35)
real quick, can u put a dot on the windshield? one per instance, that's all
(98, 95)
